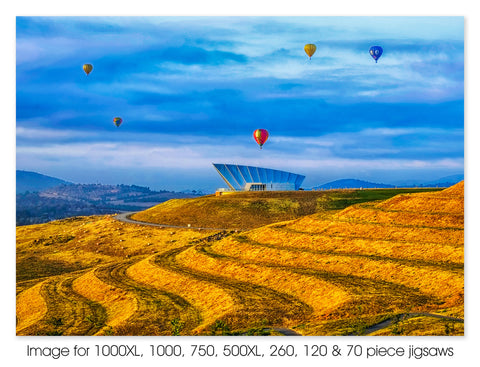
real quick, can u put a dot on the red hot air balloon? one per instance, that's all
(261, 136)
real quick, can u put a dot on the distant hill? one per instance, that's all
(33, 182)
(446, 181)
(69, 200)
(350, 183)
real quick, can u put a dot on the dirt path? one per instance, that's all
(126, 217)
(386, 323)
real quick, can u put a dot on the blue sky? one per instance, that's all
(191, 91)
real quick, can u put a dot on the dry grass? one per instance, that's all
(247, 210)
(322, 296)
(119, 304)
(422, 326)
(31, 308)
(210, 308)
(322, 263)
(432, 278)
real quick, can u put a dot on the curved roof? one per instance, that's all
(240, 178)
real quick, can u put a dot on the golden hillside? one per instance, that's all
(248, 210)
(389, 267)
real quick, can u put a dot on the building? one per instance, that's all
(248, 178)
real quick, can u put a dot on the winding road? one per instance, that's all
(126, 217)
(401, 317)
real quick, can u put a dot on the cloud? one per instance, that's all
(195, 88)
(189, 151)
(40, 135)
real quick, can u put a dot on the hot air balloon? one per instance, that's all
(117, 121)
(376, 52)
(310, 49)
(261, 136)
(87, 68)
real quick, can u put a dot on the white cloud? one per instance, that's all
(197, 155)
(48, 133)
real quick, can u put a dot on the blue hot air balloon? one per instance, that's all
(117, 121)
(376, 52)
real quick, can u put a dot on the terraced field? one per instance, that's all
(388, 267)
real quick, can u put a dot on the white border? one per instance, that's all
(13, 348)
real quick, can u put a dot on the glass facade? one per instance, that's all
(248, 178)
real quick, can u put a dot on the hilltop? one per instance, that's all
(391, 266)
(33, 182)
(246, 210)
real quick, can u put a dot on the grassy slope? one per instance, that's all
(326, 272)
(247, 210)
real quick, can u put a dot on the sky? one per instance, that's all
(192, 89)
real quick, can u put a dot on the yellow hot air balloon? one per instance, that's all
(310, 49)
(87, 68)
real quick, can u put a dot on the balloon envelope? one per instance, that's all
(260, 136)
(117, 121)
(310, 49)
(87, 68)
(376, 52)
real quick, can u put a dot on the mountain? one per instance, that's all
(446, 181)
(350, 183)
(71, 200)
(32, 181)
(43, 198)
